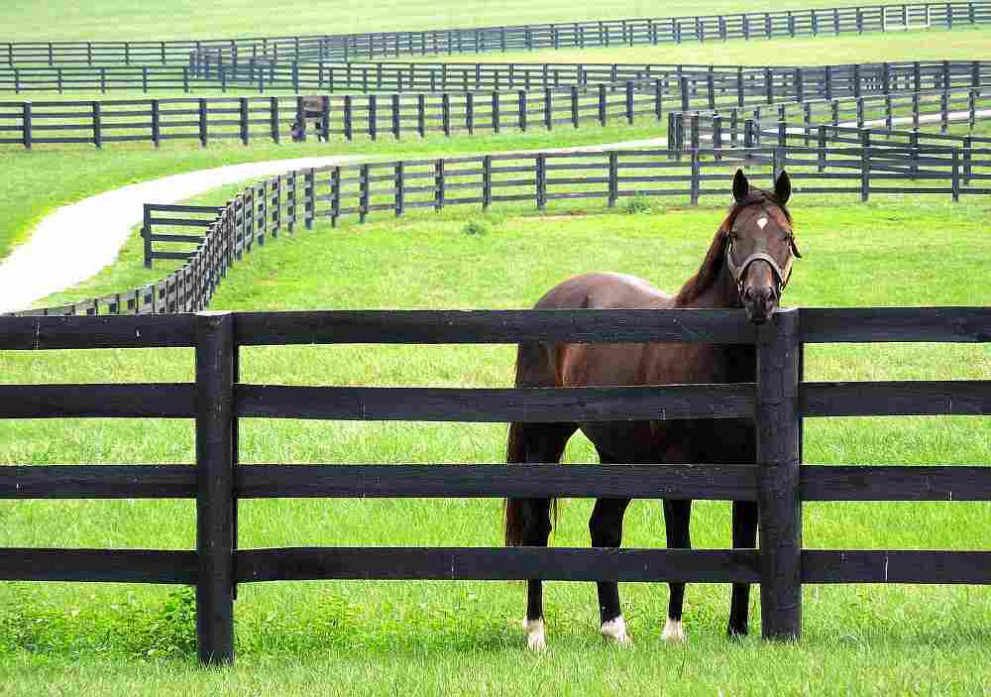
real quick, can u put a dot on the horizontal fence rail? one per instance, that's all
(587, 34)
(217, 399)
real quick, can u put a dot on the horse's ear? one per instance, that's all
(741, 187)
(782, 188)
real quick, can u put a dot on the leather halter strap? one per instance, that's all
(739, 271)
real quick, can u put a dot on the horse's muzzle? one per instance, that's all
(759, 303)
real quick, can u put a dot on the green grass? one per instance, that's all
(933, 44)
(235, 18)
(431, 638)
(30, 192)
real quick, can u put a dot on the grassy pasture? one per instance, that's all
(429, 638)
(67, 20)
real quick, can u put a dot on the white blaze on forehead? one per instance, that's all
(762, 222)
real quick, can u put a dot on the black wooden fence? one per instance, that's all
(217, 400)
(886, 118)
(618, 32)
(274, 119)
(769, 83)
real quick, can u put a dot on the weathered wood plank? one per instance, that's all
(907, 398)
(498, 326)
(97, 482)
(719, 482)
(215, 487)
(841, 325)
(103, 565)
(486, 564)
(778, 421)
(539, 405)
(895, 483)
(895, 566)
(131, 400)
(133, 331)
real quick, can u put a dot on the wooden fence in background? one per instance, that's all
(745, 83)
(618, 32)
(284, 203)
(778, 402)
(837, 121)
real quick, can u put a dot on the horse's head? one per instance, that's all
(760, 245)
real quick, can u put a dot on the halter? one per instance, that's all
(781, 276)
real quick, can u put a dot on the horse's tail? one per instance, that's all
(513, 508)
(531, 363)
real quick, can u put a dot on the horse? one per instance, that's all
(748, 265)
(311, 108)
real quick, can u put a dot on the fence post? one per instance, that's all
(309, 198)
(470, 112)
(658, 99)
(696, 172)
(146, 234)
(522, 110)
(348, 116)
(944, 111)
(243, 120)
(548, 108)
(363, 186)
(486, 182)
(215, 486)
(968, 143)
(439, 184)
(822, 149)
(421, 114)
(203, 115)
(273, 111)
(26, 124)
(97, 125)
(629, 101)
(602, 104)
(373, 116)
(955, 186)
(541, 181)
(778, 456)
(574, 105)
(613, 178)
(865, 164)
(399, 181)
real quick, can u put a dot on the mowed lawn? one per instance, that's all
(464, 638)
(102, 19)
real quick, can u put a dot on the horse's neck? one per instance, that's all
(739, 361)
(722, 293)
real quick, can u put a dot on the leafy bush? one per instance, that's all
(638, 204)
(475, 228)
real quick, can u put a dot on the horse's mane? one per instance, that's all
(713, 263)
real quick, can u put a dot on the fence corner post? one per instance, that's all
(778, 423)
(215, 501)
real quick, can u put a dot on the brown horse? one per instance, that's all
(748, 266)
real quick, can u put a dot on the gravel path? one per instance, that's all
(76, 241)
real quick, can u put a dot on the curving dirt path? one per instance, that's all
(76, 241)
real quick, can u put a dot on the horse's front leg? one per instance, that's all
(606, 527)
(744, 536)
(677, 517)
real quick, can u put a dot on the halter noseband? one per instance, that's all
(781, 276)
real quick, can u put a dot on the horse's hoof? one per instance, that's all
(535, 640)
(674, 632)
(615, 631)
(737, 632)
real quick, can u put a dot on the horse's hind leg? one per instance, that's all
(606, 528)
(744, 536)
(677, 517)
(528, 521)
